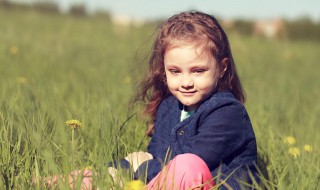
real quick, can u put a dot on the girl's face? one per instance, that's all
(191, 74)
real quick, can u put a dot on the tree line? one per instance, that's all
(300, 29)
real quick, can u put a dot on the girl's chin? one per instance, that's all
(190, 107)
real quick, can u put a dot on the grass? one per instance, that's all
(54, 68)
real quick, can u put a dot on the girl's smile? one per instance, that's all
(191, 74)
(188, 93)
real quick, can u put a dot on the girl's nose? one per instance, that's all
(187, 82)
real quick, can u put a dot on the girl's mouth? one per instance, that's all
(187, 93)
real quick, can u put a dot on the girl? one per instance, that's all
(195, 98)
(202, 134)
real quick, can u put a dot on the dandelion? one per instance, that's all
(73, 123)
(294, 151)
(14, 50)
(135, 185)
(290, 140)
(89, 168)
(307, 148)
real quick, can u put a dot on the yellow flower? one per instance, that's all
(307, 148)
(89, 168)
(135, 185)
(290, 140)
(294, 151)
(14, 50)
(73, 123)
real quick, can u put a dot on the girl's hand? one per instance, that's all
(137, 158)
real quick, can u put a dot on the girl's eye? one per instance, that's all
(174, 71)
(199, 71)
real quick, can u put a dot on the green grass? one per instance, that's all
(57, 67)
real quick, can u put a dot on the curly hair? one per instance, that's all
(188, 27)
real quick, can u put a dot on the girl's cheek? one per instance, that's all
(172, 81)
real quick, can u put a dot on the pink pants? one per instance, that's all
(185, 171)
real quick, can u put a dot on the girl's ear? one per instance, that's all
(224, 66)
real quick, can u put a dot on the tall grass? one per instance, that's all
(56, 67)
(281, 81)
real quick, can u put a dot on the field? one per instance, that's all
(54, 68)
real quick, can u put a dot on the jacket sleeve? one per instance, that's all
(221, 135)
(226, 142)
(149, 169)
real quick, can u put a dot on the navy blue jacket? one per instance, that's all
(219, 132)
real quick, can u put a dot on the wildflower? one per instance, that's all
(294, 151)
(307, 148)
(88, 168)
(14, 50)
(135, 185)
(73, 123)
(290, 140)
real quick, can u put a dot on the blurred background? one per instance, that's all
(294, 19)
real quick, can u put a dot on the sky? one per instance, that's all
(228, 9)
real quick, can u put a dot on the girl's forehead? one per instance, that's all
(188, 53)
(200, 49)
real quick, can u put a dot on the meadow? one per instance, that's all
(54, 68)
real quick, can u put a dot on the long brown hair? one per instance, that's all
(190, 27)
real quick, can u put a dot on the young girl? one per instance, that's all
(193, 94)
(202, 133)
